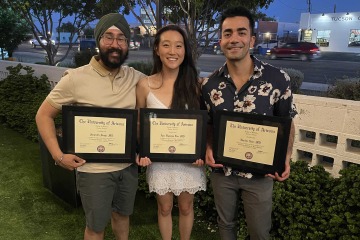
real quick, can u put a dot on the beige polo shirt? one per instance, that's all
(93, 85)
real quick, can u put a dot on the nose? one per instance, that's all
(172, 49)
(115, 44)
(234, 38)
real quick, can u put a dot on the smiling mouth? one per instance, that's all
(231, 48)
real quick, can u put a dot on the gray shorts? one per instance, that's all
(104, 193)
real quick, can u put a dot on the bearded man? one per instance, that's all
(107, 190)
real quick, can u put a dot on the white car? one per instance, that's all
(34, 42)
(134, 45)
(270, 44)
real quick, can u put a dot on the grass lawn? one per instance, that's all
(29, 211)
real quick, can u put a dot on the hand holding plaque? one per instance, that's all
(100, 134)
(251, 142)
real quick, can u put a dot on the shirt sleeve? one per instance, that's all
(62, 93)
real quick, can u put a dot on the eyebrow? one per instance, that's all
(238, 29)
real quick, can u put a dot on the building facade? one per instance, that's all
(332, 32)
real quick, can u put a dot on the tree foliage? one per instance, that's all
(198, 16)
(45, 16)
(13, 29)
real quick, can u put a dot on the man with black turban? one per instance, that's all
(107, 190)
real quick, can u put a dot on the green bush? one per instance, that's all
(144, 67)
(20, 97)
(311, 204)
(82, 58)
(300, 209)
(296, 78)
(345, 88)
(344, 208)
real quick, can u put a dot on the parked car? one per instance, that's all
(134, 45)
(268, 44)
(354, 44)
(301, 50)
(88, 45)
(34, 42)
(5, 54)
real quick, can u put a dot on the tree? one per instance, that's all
(199, 17)
(67, 27)
(44, 16)
(13, 29)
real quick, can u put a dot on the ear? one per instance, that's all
(252, 41)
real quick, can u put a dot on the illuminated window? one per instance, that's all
(354, 38)
(323, 38)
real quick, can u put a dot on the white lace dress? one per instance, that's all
(164, 177)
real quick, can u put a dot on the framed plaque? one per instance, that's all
(172, 135)
(251, 142)
(99, 134)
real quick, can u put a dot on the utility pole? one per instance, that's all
(158, 14)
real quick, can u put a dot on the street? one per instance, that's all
(326, 70)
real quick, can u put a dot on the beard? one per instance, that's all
(104, 56)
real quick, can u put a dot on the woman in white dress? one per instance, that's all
(173, 85)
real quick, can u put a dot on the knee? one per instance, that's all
(93, 233)
(117, 217)
(186, 209)
(165, 210)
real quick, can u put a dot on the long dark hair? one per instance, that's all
(186, 86)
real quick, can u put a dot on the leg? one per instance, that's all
(120, 225)
(123, 201)
(96, 192)
(165, 205)
(186, 214)
(257, 198)
(226, 196)
(91, 235)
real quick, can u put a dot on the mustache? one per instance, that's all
(111, 50)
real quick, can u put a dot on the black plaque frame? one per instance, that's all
(283, 124)
(68, 125)
(201, 127)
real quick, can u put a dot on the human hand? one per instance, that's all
(199, 162)
(209, 158)
(143, 162)
(70, 161)
(285, 175)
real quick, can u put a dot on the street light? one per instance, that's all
(267, 35)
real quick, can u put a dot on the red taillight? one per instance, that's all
(314, 50)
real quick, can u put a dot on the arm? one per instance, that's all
(46, 126)
(285, 175)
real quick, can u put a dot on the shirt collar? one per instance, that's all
(94, 62)
(258, 65)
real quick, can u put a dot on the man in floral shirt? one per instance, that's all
(245, 84)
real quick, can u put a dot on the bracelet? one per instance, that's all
(60, 160)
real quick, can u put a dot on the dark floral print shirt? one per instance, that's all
(267, 92)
